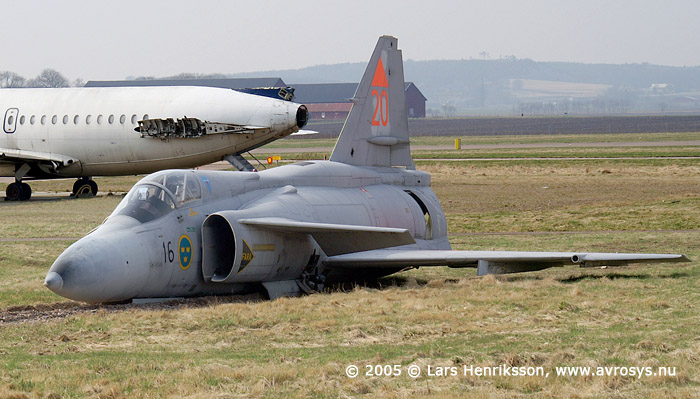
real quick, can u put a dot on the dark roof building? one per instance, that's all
(324, 92)
(415, 101)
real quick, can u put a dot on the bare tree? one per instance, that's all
(189, 75)
(449, 110)
(48, 78)
(11, 79)
(78, 83)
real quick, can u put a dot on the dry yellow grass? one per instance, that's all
(592, 196)
(300, 347)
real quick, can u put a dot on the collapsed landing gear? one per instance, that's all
(312, 278)
(84, 187)
(18, 191)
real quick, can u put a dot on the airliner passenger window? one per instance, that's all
(133, 119)
(32, 119)
(88, 119)
(99, 119)
(122, 119)
(76, 119)
(21, 120)
(43, 119)
(65, 119)
(54, 119)
(111, 119)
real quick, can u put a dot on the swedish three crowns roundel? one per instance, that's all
(185, 250)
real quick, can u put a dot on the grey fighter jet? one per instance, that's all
(365, 213)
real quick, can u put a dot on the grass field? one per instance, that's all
(526, 146)
(636, 316)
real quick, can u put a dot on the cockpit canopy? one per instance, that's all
(158, 194)
(182, 184)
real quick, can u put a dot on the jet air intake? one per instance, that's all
(218, 248)
(233, 252)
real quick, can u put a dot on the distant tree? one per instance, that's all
(434, 113)
(449, 110)
(78, 83)
(10, 79)
(48, 78)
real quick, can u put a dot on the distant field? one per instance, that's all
(636, 316)
(680, 144)
(531, 89)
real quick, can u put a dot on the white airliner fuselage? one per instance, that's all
(83, 132)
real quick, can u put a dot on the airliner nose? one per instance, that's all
(302, 116)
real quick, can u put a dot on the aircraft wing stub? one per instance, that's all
(337, 239)
(24, 155)
(189, 128)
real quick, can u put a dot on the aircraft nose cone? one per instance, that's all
(103, 268)
(53, 281)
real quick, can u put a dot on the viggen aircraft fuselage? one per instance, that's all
(364, 213)
(85, 132)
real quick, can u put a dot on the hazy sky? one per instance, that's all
(115, 39)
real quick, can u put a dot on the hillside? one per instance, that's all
(513, 86)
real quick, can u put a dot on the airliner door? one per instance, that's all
(10, 124)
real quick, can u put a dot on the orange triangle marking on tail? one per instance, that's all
(379, 79)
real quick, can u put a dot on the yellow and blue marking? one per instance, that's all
(185, 250)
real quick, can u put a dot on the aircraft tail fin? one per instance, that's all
(376, 130)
